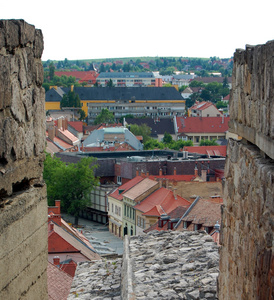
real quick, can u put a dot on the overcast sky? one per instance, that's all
(87, 29)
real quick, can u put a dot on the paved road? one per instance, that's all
(100, 238)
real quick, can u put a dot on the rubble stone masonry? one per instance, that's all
(23, 204)
(246, 256)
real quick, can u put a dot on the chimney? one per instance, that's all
(143, 174)
(147, 173)
(51, 132)
(160, 182)
(56, 260)
(160, 172)
(65, 124)
(174, 171)
(51, 226)
(58, 204)
(59, 123)
(137, 172)
(174, 194)
(196, 170)
(203, 175)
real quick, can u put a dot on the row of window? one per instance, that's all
(129, 212)
(141, 222)
(116, 209)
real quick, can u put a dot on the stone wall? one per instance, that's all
(246, 256)
(23, 204)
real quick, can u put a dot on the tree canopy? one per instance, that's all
(70, 100)
(208, 142)
(71, 183)
(104, 117)
(142, 130)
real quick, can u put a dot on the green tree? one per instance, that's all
(51, 70)
(82, 114)
(104, 117)
(71, 99)
(195, 83)
(70, 183)
(142, 130)
(167, 139)
(208, 142)
(110, 83)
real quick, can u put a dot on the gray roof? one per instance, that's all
(157, 126)
(184, 76)
(55, 95)
(119, 93)
(125, 75)
(98, 136)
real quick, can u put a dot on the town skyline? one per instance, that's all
(116, 29)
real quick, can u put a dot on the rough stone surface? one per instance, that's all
(160, 265)
(246, 256)
(252, 104)
(170, 265)
(23, 203)
(97, 280)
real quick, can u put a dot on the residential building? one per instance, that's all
(112, 137)
(204, 109)
(65, 241)
(132, 197)
(182, 79)
(187, 92)
(197, 128)
(168, 221)
(115, 206)
(89, 77)
(129, 79)
(160, 202)
(162, 102)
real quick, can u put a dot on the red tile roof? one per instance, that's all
(205, 212)
(77, 125)
(202, 124)
(79, 75)
(140, 189)
(61, 241)
(207, 150)
(59, 283)
(176, 213)
(118, 193)
(160, 202)
(202, 105)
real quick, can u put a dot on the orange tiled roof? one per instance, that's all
(119, 192)
(201, 105)
(140, 188)
(160, 202)
(207, 150)
(77, 125)
(202, 124)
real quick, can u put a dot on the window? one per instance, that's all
(119, 211)
(119, 180)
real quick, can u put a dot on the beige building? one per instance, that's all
(204, 109)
